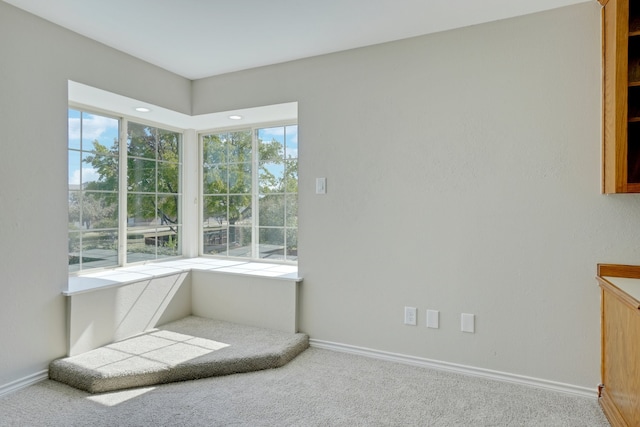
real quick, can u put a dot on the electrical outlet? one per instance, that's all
(410, 316)
(467, 322)
(433, 319)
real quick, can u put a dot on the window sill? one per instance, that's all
(126, 275)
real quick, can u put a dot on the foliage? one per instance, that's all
(227, 180)
(153, 167)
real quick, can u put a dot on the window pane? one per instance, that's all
(74, 250)
(141, 176)
(99, 210)
(156, 216)
(214, 238)
(291, 176)
(214, 150)
(99, 249)
(167, 241)
(239, 178)
(238, 146)
(75, 170)
(168, 210)
(228, 162)
(99, 172)
(291, 138)
(271, 144)
(99, 133)
(74, 210)
(168, 146)
(271, 177)
(74, 129)
(292, 244)
(215, 180)
(141, 245)
(240, 210)
(141, 141)
(291, 213)
(141, 210)
(151, 243)
(240, 241)
(214, 210)
(271, 208)
(93, 185)
(271, 243)
(168, 177)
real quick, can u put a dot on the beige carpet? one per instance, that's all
(317, 388)
(190, 348)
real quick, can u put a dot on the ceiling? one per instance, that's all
(202, 38)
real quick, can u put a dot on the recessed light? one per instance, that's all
(143, 109)
(235, 117)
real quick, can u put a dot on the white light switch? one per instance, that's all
(321, 185)
(433, 319)
(467, 322)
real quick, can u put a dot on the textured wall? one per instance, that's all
(463, 174)
(102, 316)
(248, 300)
(36, 60)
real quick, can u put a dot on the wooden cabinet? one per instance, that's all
(620, 328)
(621, 52)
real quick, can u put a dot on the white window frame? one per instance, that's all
(123, 122)
(255, 226)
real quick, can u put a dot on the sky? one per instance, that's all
(82, 133)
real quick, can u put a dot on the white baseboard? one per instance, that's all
(24, 382)
(461, 369)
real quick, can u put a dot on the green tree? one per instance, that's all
(227, 179)
(153, 167)
(153, 175)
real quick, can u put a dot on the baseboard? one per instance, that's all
(24, 382)
(461, 369)
(611, 410)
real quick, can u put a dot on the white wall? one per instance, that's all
(247, 300)
(463, 174)
(99, 317)
(36, 60)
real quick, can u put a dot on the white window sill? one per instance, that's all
(137, 273)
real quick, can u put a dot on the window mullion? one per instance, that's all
(122, 192)
(255, 216)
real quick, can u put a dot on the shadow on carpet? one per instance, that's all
(187, 349)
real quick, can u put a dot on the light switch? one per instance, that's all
(321, 185)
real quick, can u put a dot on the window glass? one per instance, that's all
(93, 190)
(153, 192)
(246, 170)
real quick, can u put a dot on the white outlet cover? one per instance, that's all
(410, 316)
(467, 322)
(433, 319)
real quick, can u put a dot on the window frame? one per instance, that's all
(123, 192)
(255, 191)
(180, 193)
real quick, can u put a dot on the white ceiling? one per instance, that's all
(201, 38)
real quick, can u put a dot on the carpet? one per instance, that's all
(318, 388)
(187, 349)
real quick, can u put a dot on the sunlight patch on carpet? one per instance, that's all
(118, 397)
